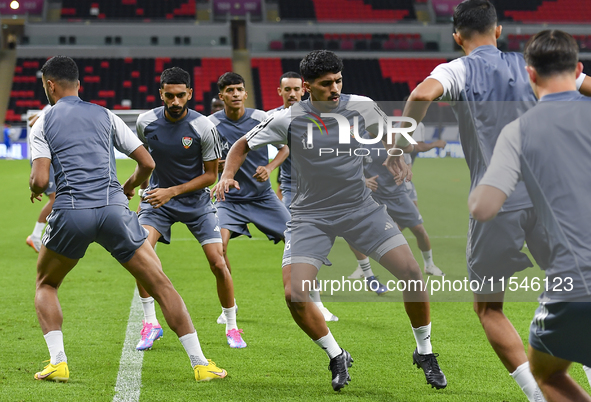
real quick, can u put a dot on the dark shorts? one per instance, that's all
(200, 220)
(69, 232)
(562, 329)
(401, 209)
(494, 247)
(269, 215)
(368, 229)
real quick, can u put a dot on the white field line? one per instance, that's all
(244, 238)
(129, 378)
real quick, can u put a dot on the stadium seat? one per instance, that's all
(545, 11)
(113, 82)
(128, 9)
(347, 10)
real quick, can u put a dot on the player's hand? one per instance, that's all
(440, 144)
(398, 168)
(221, 164)
(128, 191)
(262, 174)
(35, 196)
(158, 196)
(372, 183)
(222, 187)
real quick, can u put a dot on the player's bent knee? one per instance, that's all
(219, 267)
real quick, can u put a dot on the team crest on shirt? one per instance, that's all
(187, 142)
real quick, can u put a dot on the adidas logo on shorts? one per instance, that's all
(216, 229)
(389, 226)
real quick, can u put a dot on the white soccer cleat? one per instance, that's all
(433, 270)
(357, 274)
(328, 316)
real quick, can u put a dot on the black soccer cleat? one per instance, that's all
(429, 364)
(339, 367)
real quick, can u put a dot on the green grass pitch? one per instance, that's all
(280, 362)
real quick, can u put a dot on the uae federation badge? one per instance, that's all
(187, 141)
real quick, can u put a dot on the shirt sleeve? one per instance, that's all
(124, 139)
(504, 171)
(580, 80)
(38, 142)
(210, 144)
(452, 77)
(273, 130)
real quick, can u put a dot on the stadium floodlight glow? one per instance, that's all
(14, 5)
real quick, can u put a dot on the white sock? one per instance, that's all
(315, 296)
(427, 257)
(366, 267)
(55, 344)
(525, 379)
(38, 231)
(329, 345)
(319, 304)
(423, 338)
(230, 314)
(588, 373)
(193, 348)
(149, 310)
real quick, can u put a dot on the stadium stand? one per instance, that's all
(355, 41)
(117, 83)
(74, 10)
(544, 11)
(347, 10)
(380, 79)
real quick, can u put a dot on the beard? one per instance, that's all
(175, 113)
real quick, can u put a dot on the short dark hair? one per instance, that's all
(290, 74)
(318, 63)
(552, 52)
(62, 69)
(474, 16)
(229, 78)
(175, 75)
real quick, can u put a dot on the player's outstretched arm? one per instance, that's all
(143, 170)
(39, 179)
(235, 159)
(585, 88)
(421, 97)
(264, 172)
(485, 202)
(424, 147)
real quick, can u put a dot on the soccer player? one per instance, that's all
(331, 200)
(34, 239)
(488, 89)
(254, 201)
(77, 138)
(398, 202)
(185, 146)
(216, 105)
(291, 91)
(557, 128)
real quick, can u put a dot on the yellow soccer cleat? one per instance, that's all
(210, 372)
(58, 372)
